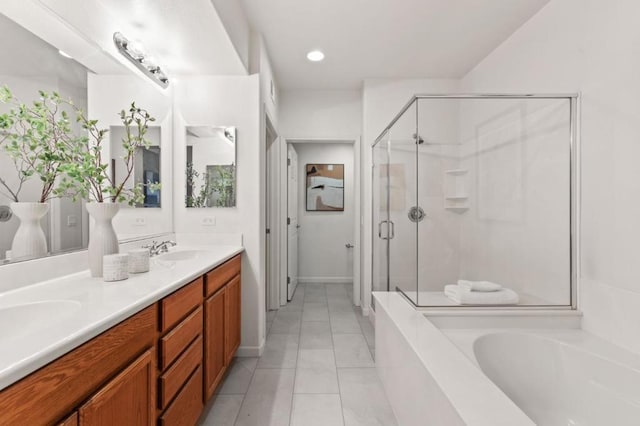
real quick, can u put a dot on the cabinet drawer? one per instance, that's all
(177, 375)
(177, 340)
(175, 307)
(186, 408)
(222, 274)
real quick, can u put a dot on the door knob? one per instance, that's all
(349, 245)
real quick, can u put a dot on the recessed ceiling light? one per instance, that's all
(65, 54)
(315, 56)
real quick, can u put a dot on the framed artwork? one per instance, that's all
(325, 187)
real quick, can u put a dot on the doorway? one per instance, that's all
(322, 245)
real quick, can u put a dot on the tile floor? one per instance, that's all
(317, 369)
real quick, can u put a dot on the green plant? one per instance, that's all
(86, 176)
(203, 194)
(37, 138)
(223, 185)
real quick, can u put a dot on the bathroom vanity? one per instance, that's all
(160, 364)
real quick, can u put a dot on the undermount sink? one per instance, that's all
(180, 255)
(23, 319)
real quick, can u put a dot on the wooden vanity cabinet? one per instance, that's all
(53, 393)
(159, 366)
(127, 400)
(180, 356)
(222, 321)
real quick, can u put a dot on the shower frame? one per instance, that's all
(574, 191)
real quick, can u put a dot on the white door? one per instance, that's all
(292, 221)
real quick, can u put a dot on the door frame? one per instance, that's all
(357, 214)
(272, 240)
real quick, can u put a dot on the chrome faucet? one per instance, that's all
(157, 248)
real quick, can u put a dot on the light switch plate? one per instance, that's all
(139, 221)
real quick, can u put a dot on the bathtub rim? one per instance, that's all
(472, 394)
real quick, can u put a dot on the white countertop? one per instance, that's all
(84, 307)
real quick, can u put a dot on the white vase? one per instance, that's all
(102, 238)
(29, 241)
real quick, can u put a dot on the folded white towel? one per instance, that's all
(461, 296)
(479, 285)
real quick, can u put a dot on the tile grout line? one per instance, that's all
(335, 363)
(295, 371)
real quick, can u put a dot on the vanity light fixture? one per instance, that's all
(134, 52)
(315, 56)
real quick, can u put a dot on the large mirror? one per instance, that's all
(146, 167)
(211, 166)
(28, 66)
(99, 85)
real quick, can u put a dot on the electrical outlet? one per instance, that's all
(72, 220)
(208, 221)
(139, 221)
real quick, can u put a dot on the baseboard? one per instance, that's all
(323, 280)
(250, 351)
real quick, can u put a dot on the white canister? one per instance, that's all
(139, 261)
(115, 267)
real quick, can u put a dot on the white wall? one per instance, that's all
(590, 46)
(322, 255)
(228, 101)
(320, 114)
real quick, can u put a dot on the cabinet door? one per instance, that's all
(128, 399)
(214, 353)
(232, 318)
(72, 420)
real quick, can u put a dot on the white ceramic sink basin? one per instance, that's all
(20, 320)
(180, 255)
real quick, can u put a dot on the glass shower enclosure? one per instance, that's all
(477, 189)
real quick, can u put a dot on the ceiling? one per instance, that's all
(185, 37)
(381, 38)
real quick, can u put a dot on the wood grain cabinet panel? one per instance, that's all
(178, 305)
(127, 400)
(178, 339)
(222, 274)
(176, 376)
(187, 407)
(72, 420)
(214, 353)
(233, 302)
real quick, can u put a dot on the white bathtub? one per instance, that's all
(496, 369)
(558, 383)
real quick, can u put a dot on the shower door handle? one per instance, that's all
(391, 230)
(380, 230)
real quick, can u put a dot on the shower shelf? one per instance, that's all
(457, 209)
(456, 172)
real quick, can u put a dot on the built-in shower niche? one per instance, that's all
(456, 190)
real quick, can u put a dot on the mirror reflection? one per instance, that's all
(31, 65)
(211, 166)
(146, 166)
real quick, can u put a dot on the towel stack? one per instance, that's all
(480, 293)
